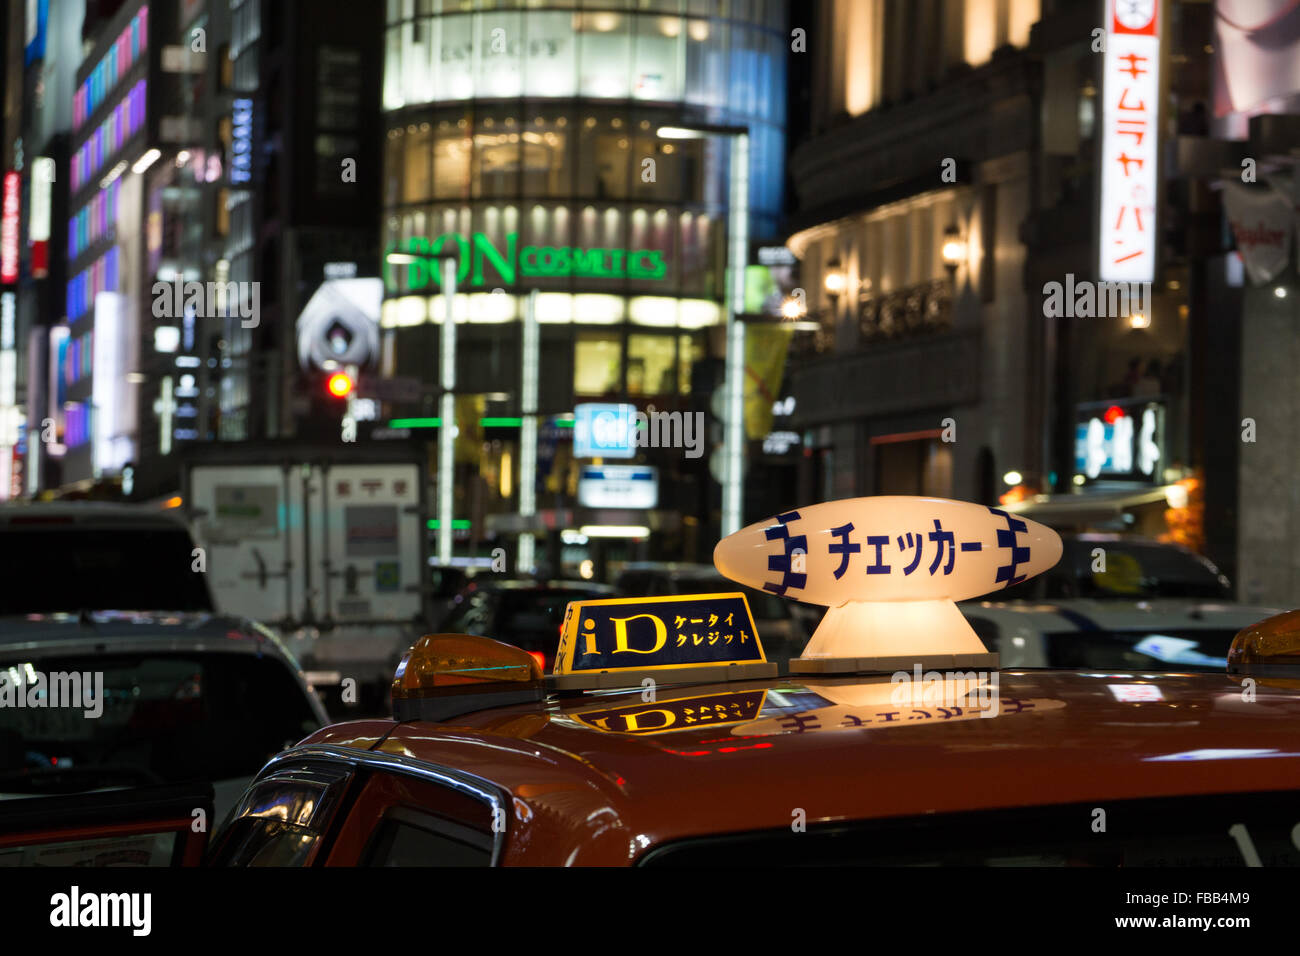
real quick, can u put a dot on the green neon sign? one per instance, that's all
(513, 262)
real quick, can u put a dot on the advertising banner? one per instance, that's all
(1261, 220)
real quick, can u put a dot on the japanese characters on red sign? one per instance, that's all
(1130, 142)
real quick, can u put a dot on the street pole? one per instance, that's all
(528, 432)
(447, 425)
(733, 444)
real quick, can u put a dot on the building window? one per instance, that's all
(597, 363)
(605, 150)
(418, 156)
(452, 148)
(496, 158)
(651, 365)
(547, 166)
(690, 349)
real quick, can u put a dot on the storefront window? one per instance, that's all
(690, 350)
(699, 254)
(605, 149)
(675, 172)
(651, 365)
(452, 147)
(547, 166)
(496, 157)
(597, 361)
(418, 162)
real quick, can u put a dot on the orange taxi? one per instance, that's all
(1075, 768)
(664, 736)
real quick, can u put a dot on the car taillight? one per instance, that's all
(540, 658)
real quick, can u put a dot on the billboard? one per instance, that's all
(9, 228)
(1130, 139)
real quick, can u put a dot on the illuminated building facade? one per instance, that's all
(527, 143)
(92, 405)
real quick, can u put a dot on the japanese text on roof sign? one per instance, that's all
(678, 631)
(900, 554)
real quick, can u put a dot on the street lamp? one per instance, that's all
(447, 405)
(733, 436)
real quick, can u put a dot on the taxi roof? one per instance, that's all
(758, 750)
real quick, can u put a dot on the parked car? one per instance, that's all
(1115, 602)
(118, 671)
(1106, 567)
(521, 612)
(784, 626)
(1089, 634)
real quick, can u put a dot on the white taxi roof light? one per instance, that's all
(890, 570)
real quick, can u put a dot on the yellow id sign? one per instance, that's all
(661, 632)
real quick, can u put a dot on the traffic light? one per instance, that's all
(340, 384)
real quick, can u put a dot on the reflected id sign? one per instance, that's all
(684, 713)
(639, 633)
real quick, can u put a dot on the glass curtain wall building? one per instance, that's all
(523, 138)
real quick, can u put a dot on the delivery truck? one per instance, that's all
(328, 546)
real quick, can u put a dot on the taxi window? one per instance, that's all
(282, 819)
(1220, 830)
(406, 838)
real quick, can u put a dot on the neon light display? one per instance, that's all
(530, 261)
(131, 43)
(126, 119)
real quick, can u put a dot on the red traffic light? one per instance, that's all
(340, 384)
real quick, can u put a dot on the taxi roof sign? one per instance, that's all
(444, 675)
(609, 643)
(1270, 647)
(890, 569)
